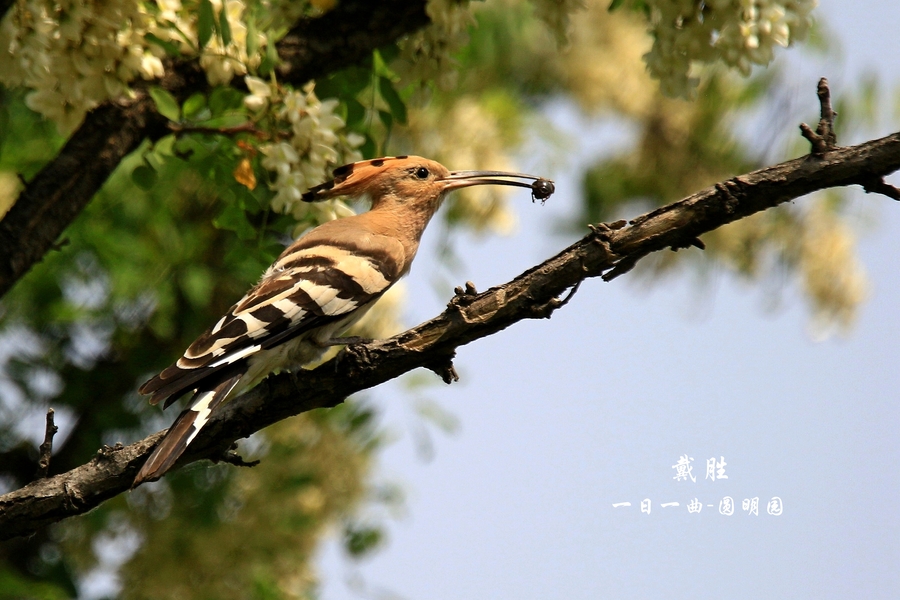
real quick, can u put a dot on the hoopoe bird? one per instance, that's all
(319, 286)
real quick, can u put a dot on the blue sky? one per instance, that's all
(562, 418)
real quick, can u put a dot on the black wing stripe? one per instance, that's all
(306, 261)
(233, 328)
(265, 292)
(271, 315)
(344, 283)
(322, 282)
(380, 258)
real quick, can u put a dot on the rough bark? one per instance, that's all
(608, 251)
(59, 192)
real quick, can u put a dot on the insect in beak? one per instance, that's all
(541, 188)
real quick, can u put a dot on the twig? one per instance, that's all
(443, 367)
(877, 185)
(826, 121)
(231, 457)
(559, 303)
(46, 449)
(624, 265)
(229, 131)
(823, 139)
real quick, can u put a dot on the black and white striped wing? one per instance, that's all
(307, 288)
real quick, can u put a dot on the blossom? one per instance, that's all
(740, 33)
(258, 98)
(317, 142)
(74, 54)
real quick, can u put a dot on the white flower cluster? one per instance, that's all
(75, 54)
(740, 33)
(179, 26)
(314, 145)
(221, 63)
(427, 54)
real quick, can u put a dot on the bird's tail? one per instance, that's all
(183, 431)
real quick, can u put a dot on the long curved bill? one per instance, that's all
(540, 188)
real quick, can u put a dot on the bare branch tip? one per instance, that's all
(623, 266)
(559, 303)
(233, 458)
(877, 185)
(823, 139)
(689, 243)
(46, 448)
(443, 368)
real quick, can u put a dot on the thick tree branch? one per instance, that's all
(469, 316)
(59, 192)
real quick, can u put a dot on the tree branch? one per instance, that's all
(46, 449)
(469, 316)
(59, 192)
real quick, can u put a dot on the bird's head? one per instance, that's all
(412, 179)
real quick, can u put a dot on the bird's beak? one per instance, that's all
(540, 188)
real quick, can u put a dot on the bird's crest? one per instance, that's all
(351, 179)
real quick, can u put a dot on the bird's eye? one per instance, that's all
(422, 173)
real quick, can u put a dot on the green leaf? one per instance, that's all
(394, 102)
(368, 147)
(252, 36)
(225, 121)
(344, 84)
(386, 118)
(356, 113)
(224, 99)
(194, 107)
(184, 147)
(166, 103)
(615, 4)
(269, 61)
(361, 540)
(170, 48)
(197, 284)
(164, 146)
(4, 119)
(389, 53)
(224, 27)
(380, 65)
(234, 219)
(144, 176)
(15, 585)
(206, 22)
(361, 418)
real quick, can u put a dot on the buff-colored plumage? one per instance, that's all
(319, 286)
